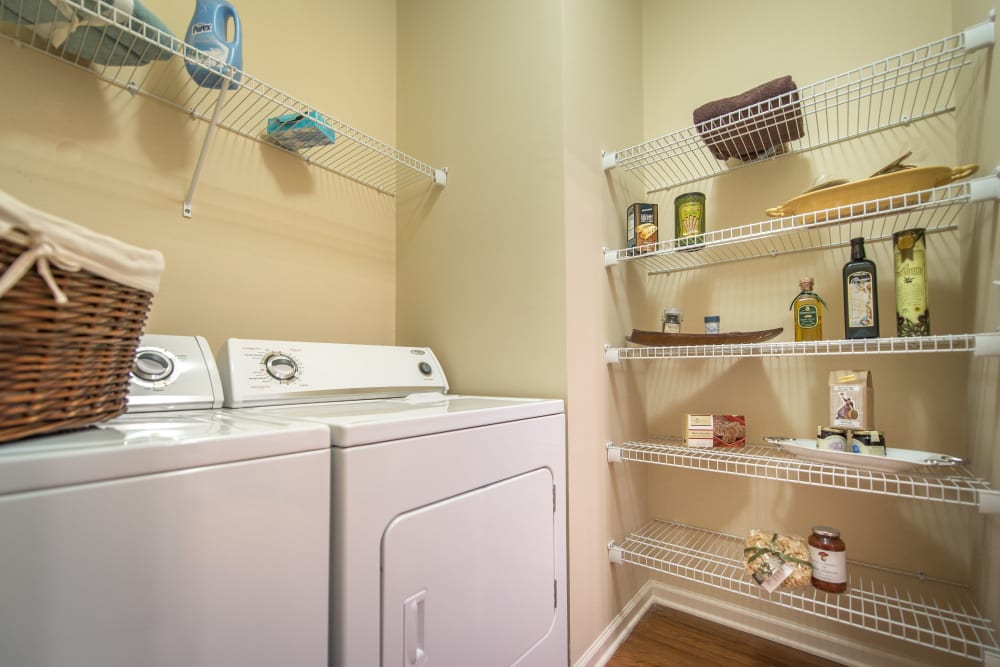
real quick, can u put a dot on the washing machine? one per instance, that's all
(448, 513)
(176, 534)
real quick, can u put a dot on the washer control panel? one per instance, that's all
(261, 372)
(173, 373)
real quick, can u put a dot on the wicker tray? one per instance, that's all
(65, 366)
(657, 339)
(845, 200)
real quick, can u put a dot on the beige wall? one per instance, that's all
(275, 249)
(481, 264)
(980, 142)
(603, 105)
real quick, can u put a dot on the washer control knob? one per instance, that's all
(152, 365)
(281, 367)
(425, 368)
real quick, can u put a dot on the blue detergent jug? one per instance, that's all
(207, 33)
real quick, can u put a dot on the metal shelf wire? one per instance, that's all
(914, 608)
(245, 110)
(937, 211)
(984, 344)
(952, 484)
(898, 90)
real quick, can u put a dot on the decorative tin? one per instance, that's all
(689, 220)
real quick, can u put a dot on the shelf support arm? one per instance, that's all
(614, 453)
(204, 147)
(614, 553)
(611, 354)
(980, 35)
(989, 501)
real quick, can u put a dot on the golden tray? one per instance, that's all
(839, 197)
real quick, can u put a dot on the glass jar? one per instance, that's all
(672, 319)
(712, 324)
(828, 557)
(689, 221)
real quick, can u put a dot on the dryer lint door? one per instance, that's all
(470, 580)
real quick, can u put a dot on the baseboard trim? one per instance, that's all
(600, 651)
(830, 646)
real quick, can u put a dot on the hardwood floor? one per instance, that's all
(668, 637)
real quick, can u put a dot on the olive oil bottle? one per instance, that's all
(807, 312)
(860, 294)
(910, 259)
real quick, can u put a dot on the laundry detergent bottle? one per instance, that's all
(208, 33)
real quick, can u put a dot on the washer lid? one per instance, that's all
(354, 423)
(141, 444)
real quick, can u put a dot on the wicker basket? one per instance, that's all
(65, 366)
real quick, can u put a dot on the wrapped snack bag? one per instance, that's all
(775, 560)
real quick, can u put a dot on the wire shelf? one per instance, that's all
(981, 344)
(938, 210)
(915, 608)
(245, 110)
(953, 484)
(898, 90)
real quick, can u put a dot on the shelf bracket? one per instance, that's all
(989, 502)
(441, 177)
(991, 657)
(608, 160)
(987, 345)
(204, 147)
(611, 354)
(610, 257)
(614, 553)
(981, 34)
(614, 453)
(986, 188)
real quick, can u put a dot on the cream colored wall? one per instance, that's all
(275, 249)
(603, 111)
(481, 264)
(980, 142)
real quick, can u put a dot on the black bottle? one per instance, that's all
(860, 294)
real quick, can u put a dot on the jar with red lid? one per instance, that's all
(828, 557)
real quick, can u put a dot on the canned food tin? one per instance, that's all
(689, 220)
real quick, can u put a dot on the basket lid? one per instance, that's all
(73, 247)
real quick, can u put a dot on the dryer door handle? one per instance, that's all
(414, 625)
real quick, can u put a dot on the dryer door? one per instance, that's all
(470, 580)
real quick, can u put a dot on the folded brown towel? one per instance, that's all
(749, 124)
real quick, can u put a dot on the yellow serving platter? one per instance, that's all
(904, 187)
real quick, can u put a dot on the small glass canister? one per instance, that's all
(689, 221)
(672, 319)
(712, 324)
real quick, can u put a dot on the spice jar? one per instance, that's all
(711, 324)
(828, 557)
(672, 318)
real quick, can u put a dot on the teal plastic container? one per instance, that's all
(207, 33)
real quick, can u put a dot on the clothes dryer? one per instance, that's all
(168, 536)
(448, 513)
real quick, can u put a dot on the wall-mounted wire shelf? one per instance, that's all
(898, 90)
(952, 484)
(936, 210)
(914, 608)
(984, 344)
(244, 110)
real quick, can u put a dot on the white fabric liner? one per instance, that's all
(48, 238)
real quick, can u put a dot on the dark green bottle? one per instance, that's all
(860, 294)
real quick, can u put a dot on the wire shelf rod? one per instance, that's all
(911, 607)
(898, 90)
(354, 154)
(935, 209)
(952, 485)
